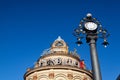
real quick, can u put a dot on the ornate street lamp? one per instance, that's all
(91, 29)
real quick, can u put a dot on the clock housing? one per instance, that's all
(90, 26)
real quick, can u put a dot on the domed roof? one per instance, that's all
(59, 45)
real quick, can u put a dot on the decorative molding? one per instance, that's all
(35, 77)
(59, 76)
(51, 75)
(59, 67)
(70, 76)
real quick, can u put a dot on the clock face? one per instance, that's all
(91, 26)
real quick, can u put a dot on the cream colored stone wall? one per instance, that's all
(58, 74)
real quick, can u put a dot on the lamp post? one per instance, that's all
(91, 29)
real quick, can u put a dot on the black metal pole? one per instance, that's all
(94, 60)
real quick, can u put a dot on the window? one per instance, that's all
(59, 44)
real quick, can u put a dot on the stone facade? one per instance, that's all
(58, 64)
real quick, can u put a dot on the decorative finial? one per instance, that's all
(59, 38)
(89, 15)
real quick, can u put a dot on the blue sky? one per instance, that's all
(29, 27)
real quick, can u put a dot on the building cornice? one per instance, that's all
(57, 67)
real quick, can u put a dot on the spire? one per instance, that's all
(59, 39)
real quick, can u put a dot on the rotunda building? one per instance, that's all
(58, 63)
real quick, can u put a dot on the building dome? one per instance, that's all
(59, 45)
(58, 63)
